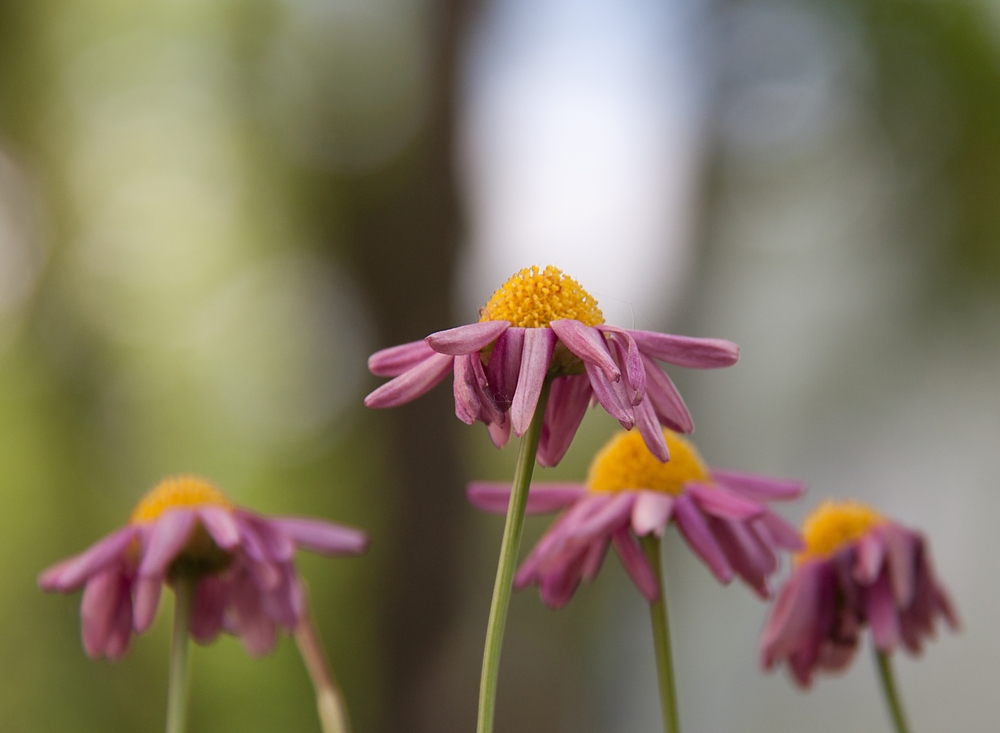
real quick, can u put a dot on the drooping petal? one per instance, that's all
(871, 554)
(535, 358)
(145, 602)
(794, 614)
(759, 488)
(255, 628)
(695, 530)
(723, 503)
(325, 538)
(743, 559)
(468, 338)
(411, 384)
(396, 360)
(615, 514)
(630, 358)
(594, 558)
(277, 545)
(500, 432)
(635, 562)
(120, 633)
(901, 552)
(207, 610)
(70, 574)
(665, 399)
(608, 396)
(651, 512)
(467, 403)
(505, 366)
(542, 498)
(99, 609)
(588, 344)
(489, 413)
(220, 526)
(779, 532)
(649, 427)
(568, 402)
(687, 351)
(167, 537)
(881, 612)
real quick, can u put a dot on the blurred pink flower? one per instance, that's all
(721, 514)
(859, 568)
(243, 564)
(542, 324)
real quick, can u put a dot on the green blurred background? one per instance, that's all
(211, 212)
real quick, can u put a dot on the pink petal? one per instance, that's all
(412, 384)
(489, 413)
(695, 530)
(146, 601)
(102, 597)
(651, 512)
(255, 629)
(742, 556)
(901, 552)
(276, 545)
(794, 615)
(500, 432)
(538, 346)
(649, 427)
(396, 360)
(466, 339)
(542, 498)
(609, 518)
(594, 558)
(120, 633)
(325, 538)
(687, 351)
(635, 371)
(777, 531)
(220, 526)
(759, 488)
(167, 537)
(723, 503)
(871, 553)
(637, 565)
(72, 573)
(609, 398)
(665, 399)
(568, 402)
(881, 612)
(588, 344)
(505, 365)
(209, 605)
(467, 404)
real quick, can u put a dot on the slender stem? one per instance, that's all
(661, 638)
(329, 700)
(505, 568)
(891, 695)
(177, 692)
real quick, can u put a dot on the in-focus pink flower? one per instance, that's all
(541, 324)
(858, 568)
(721, 514)
(244, 565)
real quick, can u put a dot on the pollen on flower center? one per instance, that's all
(626, 463)
(533, 298)
(834, 524)
(178, 491)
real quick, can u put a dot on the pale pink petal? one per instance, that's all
(466, 339)
(695, 530)
(881, 612)
(411, 384)
(588, 344)
(609, 398)
(167, 537)
(542, 498)
(102, 598)
(568, 402)
(70, 574)
(397, 360)
(687, 351)
(665, 399)
(722, 503)
(500, 432)
(467, 404)
(146, 600)
(325, 538)
(635, 562)
(871, 553)
(535, 358)
(649, 427)
(759, 488)
(278, 546)
(612, 516)
(651, 512)
(220, 526)
(505, 366)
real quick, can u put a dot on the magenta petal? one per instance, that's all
(759, 488)
(500, 432)
(70, 574)
(651, 512)
(594, 558)
(538, 346)
(542, 498)
(120, 633)
(778, 531)
(255, 629)
(635, 371)
(794, 614)
(412, 384)
(396, 360)
(147, 600)
(665, 399)
(277, 545)
(208, 608)
(99, 609)
(467, 404)
(588, 344)
(489, 413)
(167, 537)
(901, 552)
(505, 365)
(609, 398)
(221, 526)
(743, 557)
(615, 514)
(325, 538)
(649, 427)
(871, 553)
(695, 530)
(568, 402)
(637, 565)
(723, 503)
(466, 339)
(687, 351)
(881, 613)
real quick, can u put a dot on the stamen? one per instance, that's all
(534, 298)
(178, 491)
(626, 463)
(835, 524)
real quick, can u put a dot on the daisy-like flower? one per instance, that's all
(629, 494)
(241, 564)
(541, 325)
(858, 568)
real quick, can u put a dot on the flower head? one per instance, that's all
(542, 325)
(721, 514)
(242, 563)
(858, 567)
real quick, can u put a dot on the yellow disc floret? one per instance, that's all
(534, 298)
(834, 524)
(175, 492)
(626, 463)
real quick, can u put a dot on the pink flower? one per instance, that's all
(542, 325)
(243, 563)
(858, 568)
(721, 514)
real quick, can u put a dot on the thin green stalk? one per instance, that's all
(505, 569)
(891, 695)
(661, 638)
(177, 692)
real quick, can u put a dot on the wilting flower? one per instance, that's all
(242, 562)
(858, 568)
(542, 325)
(721, 514)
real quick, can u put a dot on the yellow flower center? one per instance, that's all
(174, 492)
(834, 524)
(626, 463)
(534, 298)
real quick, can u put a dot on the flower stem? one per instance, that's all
(661, 638)
(177, 692)
(505, 569)
(329, 700)
(891, 695)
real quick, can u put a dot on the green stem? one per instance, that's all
(329, 700)
(505, 569)
(661, 638)
(891, 695)
(177, 692)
